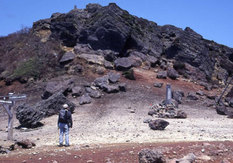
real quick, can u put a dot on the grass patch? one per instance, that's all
(29, 68)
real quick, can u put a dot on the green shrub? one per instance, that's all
(29, 68)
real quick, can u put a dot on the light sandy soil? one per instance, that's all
(110, 120)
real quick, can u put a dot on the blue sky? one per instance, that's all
(213, 19)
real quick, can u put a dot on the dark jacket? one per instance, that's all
(65, 116)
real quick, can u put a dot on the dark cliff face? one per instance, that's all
(114, 29)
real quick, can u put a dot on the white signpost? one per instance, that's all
(8, 103)
(168, 94)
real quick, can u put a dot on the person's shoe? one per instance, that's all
(60, 145)
(67, 145)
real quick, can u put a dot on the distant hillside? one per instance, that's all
(112, 33)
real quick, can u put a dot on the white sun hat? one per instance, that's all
(65, 106)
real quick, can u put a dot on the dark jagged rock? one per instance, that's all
(57, 86)
(67, 57)
(152, 60)
(222, 110)
(192, 96)
(150, 156)
(123, 64)
(177, 95)
(85, 99)
(172, 73)
(162, 75)
(77, 91)
(113, 77)
(111, 88)
(93, 93)
(108, 65)
(101, 81)
(122, 87)
(129, 74)
(29, 116)
(181, 114)
(200, 93)
(158, 85)
(158, 124)
(26, 144)
(110, 55)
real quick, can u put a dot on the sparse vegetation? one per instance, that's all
(29, 68)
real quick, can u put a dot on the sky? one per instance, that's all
(213, 19)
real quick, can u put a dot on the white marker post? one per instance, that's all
(168, 94)
(8, 103)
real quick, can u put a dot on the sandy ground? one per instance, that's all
(109, 120)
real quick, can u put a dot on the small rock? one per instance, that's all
(158, 124)
(158, 85)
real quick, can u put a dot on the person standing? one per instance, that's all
(64, 123)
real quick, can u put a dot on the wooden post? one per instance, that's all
(8, 105)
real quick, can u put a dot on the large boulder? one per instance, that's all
(53, 87)
(113, 77)
(150, 156)
(123, 64)
(177, 95)
(85, 99)
(158, 124)
(192, 96)
(172, 73)
(101, 81)
(67, 57)
(26, 143)
(162, 75)
(222, 110)
(77, 91)
(29, 116)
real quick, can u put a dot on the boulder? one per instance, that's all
(111, 88)
(77, 91)
(101, 81)
(108, 65)
(190, 158)
(172, 73)
(152, 60)
(150, 156)
(181, 114)
(78, 68)
(29, 116)
(158, 124)
(222, 110)
(192, 96)
(122, 87)
(83, 48)
(26, 144)
(162, 75)
(110, 55)
(113, 77)
(136, 61)
(158, 85)
(67, 57)
(177, 95)
(200, 93)
(57, 86)
(85, 99)
(93, 93)
(123, 64)
(129, 74)
(92, 58)
(151, 112)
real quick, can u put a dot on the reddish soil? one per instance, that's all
(213, 152)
